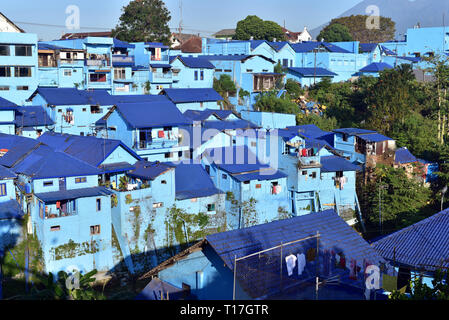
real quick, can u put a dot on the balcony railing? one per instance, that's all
(162, 75)
(122, 59)
(97, 63)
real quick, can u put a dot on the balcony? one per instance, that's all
(309, 162)
(119, 59)
(164, 57)
(97, 63)
(71, 62)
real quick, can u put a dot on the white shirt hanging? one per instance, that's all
(301, 263)
(291, 263)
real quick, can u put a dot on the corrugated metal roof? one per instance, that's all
(192, 95)
(17, 147)
(353, 131)
(373, 137)
(376, 67)
(73, 194)
(63, 96)
(152, 114)
(146, 170)
(229, 125)
(160, 65)
(138, 98)
(89, 149)
(32, 116)
(98, 97)
(10, 210)
(422, 245)
(5, 173)
(4, 104)
(335, 163)
(368, 47)
(309, 46)
(311, 72)
(335, 234)
(192, 181)
(195, 62)
(403, 155)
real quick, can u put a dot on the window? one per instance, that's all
(23, 51)
(80, 180)
(201, 75)
(258, 186)
(4, 50)
(211, 207)
(345, 137)
(55, 228)
(98, 204)
(304, 173)
(67, 73)
(95, 109)
(84, 109)
(253, 144)
(3, 190)
(313, 175)
(249, 70)
(164, 182)
(48, 183)
(285, 62)
(95, 229)
(339, 174)
(195, 77)
(22, 72)
(168, 155)
(119, 73)
(158, 205)
(207, 169)
(22, 88)
(101, 77)
(5, 72)
(218, 70)
(4, 88)
(224, 176)
(227, 70)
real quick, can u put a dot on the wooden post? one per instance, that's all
(235, 270)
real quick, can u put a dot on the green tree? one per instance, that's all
(225, 87)
(258, 29)
(359, 32)
(144, 20)
(421, 291)
(269, 102)
(293, 89)
(335, 33)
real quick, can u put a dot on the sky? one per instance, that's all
(47, 17)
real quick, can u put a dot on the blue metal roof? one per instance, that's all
(5, 173)
(156, 45)
(157, 289)
(309, 46)
(376, 67)
(422, 245)
(368, 47)
(192, 95)
(388, 51)
(48, 46)
(192, 181)
(10, 210)
(229, 125)
(73, 194)
(63, 96)
(146, 170)
(138, 98)
(32, 116)
(311, 72)
(335, 163)
(403, 155)
(122, 44)
(242, 164)
(373, 137)
(98, 97)
(335, 234)
(43, 162)
(17, 147)
(160, 65)
(353, 131)
(4, 104)
(152, 114)
(193, 62)
(91, 150)
(412, 59)
(201, 115)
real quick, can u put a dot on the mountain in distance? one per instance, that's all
(406, 13)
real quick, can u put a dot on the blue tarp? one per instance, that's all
(10, 210)
(192, 95)
(335, 163)
(192, 181)
(50, 197)
(403, 155)
(152, 114)
(424, 245)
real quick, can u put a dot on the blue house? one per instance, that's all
(150, 128)
(251, 263)
(374, 68)
(192, 72)
(309, 76)
(61, 67)
(123, 62)
(73, 111)
(69, 212)
(7, 116)
(18, 66)
(255, 192)
(10, 212)
(156, 58)
(269, 120)
(419, 249)
(194, 98)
